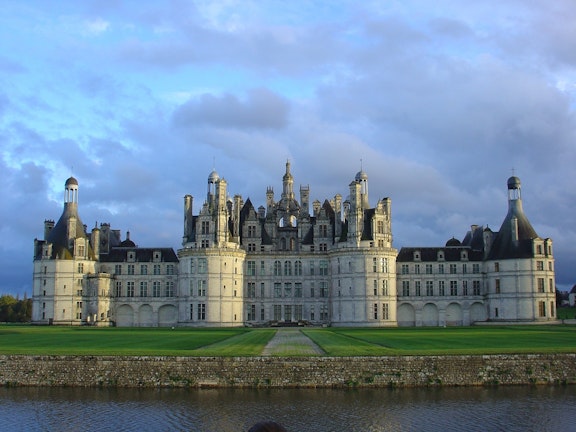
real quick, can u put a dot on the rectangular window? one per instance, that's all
(201, 311)
(406, 288)
(298, 289)
(453, 288)
(323, 268)
(380, 227)
(417, 288)
(251, 290)
(169, 289)
(385, 287)
(205, 227)
(288, 289)
(441, 288)
(323, 289)
(539, 265)
(251, 268)
(375, 311)
(117, 269)
(540, 285)
(202, 265)
(277, 268)
(277, 312)
(551, 285)
(312, 268)
(541, 308)
(201, 284)
(192, 266)
(465, 287)
(277, 289)
(287, 313)
(262, 268)
(156, 269)
(143, 289)
(475, 268)
(323, 230)
(262, 290)
(251, 231)
(441, 268)
(430, 288)
(374, 265)
(156, 289)
(384, 265)
(298, 313)
(464, 268)
(497, 286)
(453, 268)
(130, 289)
(428, 268)
(312, 289)
(496, 267)
(404, 269)
(143, 269)
(118, 292)
(417, 268)
(385, 311)
(287, 268)
(476, 287)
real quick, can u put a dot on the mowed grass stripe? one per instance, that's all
(227, 342)
(250, 343)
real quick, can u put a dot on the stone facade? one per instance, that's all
(291, 261)
(274, 372)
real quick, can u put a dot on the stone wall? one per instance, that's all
(403, 371)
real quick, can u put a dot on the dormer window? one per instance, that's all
(417, 256)
(440, 255)
(464, 255)
(131, 256)
(157, 256)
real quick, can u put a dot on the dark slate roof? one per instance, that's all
(430, 254)
(309, 237)
(474, 238)
(58, 235)
(119, 254)
(504, 247)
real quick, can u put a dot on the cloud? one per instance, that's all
(261, 109)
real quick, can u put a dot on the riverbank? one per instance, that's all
(287, 372)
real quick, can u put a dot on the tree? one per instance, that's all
(15, 310)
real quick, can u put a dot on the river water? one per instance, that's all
(427, 409)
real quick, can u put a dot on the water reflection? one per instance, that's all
(443, 409)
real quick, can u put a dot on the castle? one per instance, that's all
(291, 262)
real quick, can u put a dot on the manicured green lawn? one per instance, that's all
(251, 342)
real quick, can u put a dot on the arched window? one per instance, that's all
(277, 268)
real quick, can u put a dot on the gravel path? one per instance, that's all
(289, 341)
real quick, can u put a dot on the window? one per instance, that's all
(298, 268)
(287, 268)
(475, 268)
(143, 269)
(429, 288)
(405, 288)
(262, 290)
(251, 315)
(539, 265)
(170, 269)
(384, 265)
(288, 289)
(441, 288)
(476, 287)
(202, 265)
(497, 286)
(380, 227)
(465, 287)
(551, 285)
(201, 285)
(192, 266)
(375, 311)
(251, 268)
(277, 289)
(277, 268)
(453, 288)
(441, 268)
(298, 312)
(323, 231)
(251, 290)
(118, 291)
(312, 289)
(496, 267)
(205, 227)
(540, 285)
(251, 230)
(385, 287)
(375, 286)
(385, 311)
(201, 311)
(251, 247)
(323, 289)
(204, 244)
(541, 308)
(323, 247)
(277, 312)
(417, 288)
(117, 269)
(374, 265)
(169, 289)
(130, 289)
(80, 268)
(143, 289)
(428, 268)
(417, 268)
(464, 268)
(311, 267)
(81, 250)
(453, 268)
(323, 268)
(262, 268)
(404, 269)
(130, 269)
(298, 289)
(156, 289)
(156, 269)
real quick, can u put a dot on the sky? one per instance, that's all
(438, 102)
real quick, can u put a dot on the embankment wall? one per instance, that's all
(402, 371)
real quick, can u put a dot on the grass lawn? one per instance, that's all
(251, 342)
